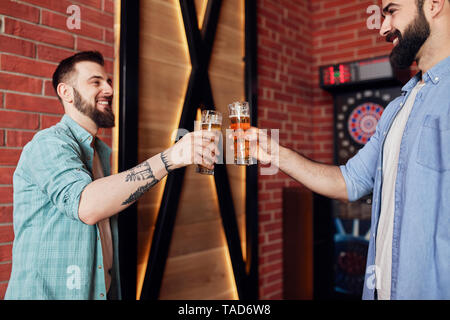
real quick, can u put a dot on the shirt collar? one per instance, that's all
(84, 138)
(435, 74)
(438, 72)
(412, 82)
(81, 134)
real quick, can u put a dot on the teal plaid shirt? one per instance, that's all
(55, 254)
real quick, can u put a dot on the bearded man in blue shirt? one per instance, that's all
(65, 200)
(406, 163)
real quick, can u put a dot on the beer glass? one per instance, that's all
(239, 113)
(211, 120)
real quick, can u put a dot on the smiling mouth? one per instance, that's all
(104, 103)
(395, 42)
(393, 37)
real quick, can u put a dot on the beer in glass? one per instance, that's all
(239, 114)
(211, 120)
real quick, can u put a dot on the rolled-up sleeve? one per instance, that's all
(359, 172)
(58, 171)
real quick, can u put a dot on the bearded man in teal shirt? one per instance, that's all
(65, 200)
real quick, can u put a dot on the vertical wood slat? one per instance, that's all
(163, 79)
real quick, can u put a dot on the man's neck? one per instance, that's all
(434, 53)
(84, 121)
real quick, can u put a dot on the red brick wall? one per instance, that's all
(285, 64)
(33, 39)
(340, 34)
(295, 38)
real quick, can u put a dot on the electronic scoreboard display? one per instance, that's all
(358, 73)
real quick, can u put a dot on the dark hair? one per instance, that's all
(420, 3)
(67, 66)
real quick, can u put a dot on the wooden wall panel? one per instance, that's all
(164, 71)
(198, 265)
(200, 275)
(226, 73)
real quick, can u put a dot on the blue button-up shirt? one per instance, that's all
(421, 236)
(56, 255)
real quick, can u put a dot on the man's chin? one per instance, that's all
(104, 119)
(398, 60)
(106, 124)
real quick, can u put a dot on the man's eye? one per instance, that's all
(96, 83)
(391, 12)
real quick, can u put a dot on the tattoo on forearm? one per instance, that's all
(139, 192)
(140, 172)
(166, 161)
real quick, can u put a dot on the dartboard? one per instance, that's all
(363, 120)
(356, 117)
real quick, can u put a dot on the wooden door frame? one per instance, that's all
(245, 272)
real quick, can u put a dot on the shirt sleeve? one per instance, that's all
(55, 166)
(359, 171)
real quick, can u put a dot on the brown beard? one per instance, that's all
(103, 119)
(409, 44)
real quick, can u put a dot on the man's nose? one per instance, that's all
(107, 89)
(386, 27)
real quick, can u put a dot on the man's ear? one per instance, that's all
(65, 92)
(436, 7)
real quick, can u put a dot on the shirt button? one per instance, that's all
(99, 267)
(436, 79)
(101, 295)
